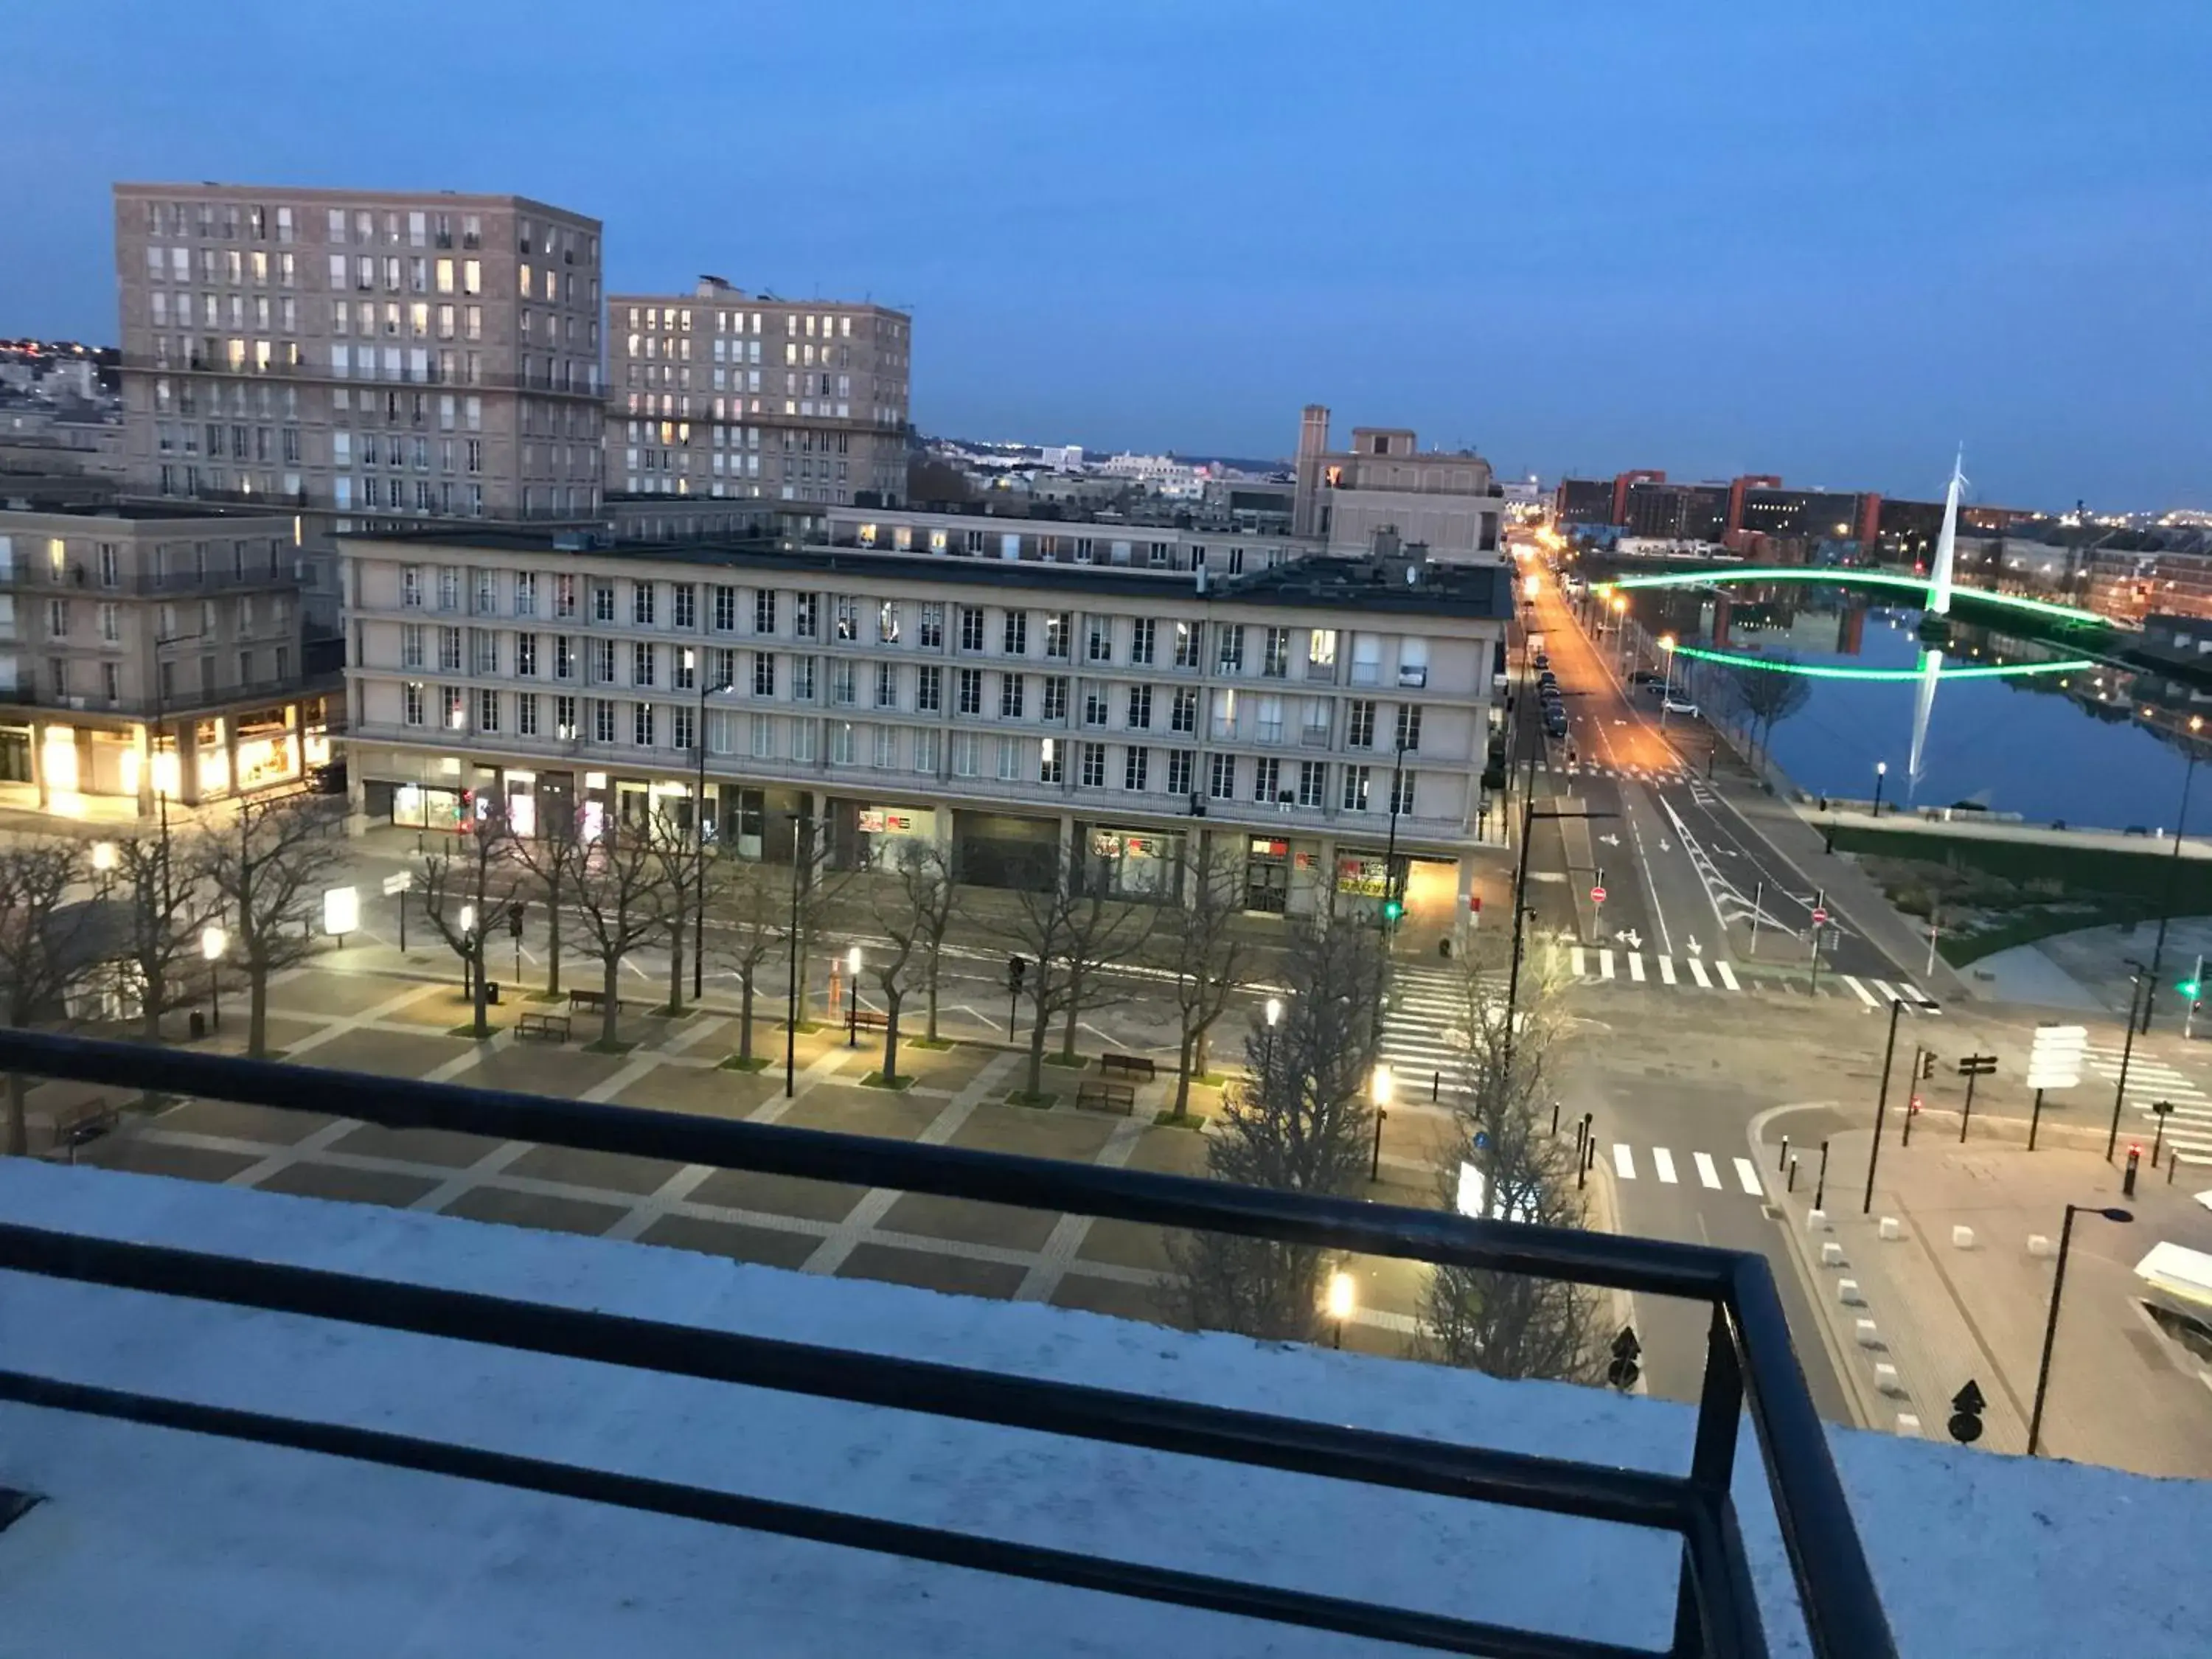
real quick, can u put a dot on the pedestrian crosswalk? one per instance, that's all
(1598, 770)
(1741, 1176)
(1425, 1027)
(1603, 964)
(2188, 1127)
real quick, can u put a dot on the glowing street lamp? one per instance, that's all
(1343, 1297)
(1881, 772)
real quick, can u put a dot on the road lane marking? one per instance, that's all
(1748, 1176)
(1635, 966)
(1697, 972)
(1575, 961)
(1914, 994)
(1666, 970)
(1864, 995)
(1624, 1161)
(1706, 1172)
(1888, 995)
(1728, 975)
(1604, 964)
(1664, 1162)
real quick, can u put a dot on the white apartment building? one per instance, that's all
(1319, 712)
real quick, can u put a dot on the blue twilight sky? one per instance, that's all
(1827, 241)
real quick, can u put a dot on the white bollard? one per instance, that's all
(1867, 1336)
(1831, 1254)
(1816, 1221)
(1962, 1237)
(1847, 1292)
(2039, 1245)
(1907, 1422)
(1885, 1378)
(1891, 1227)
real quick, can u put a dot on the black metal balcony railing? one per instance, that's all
(1749, 1359)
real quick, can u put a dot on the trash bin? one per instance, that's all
(491, 990)
(1443, 949)
(199, 1023)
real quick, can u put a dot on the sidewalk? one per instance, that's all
(1941, 1312)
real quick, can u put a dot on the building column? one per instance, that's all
(38, 765)
(145, 741)
(1325, 899)
(1465, 920)
(816, 810)
(1067, 865)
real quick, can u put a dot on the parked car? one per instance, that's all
(1677, 705)
(1646, 677)
(1543, 659)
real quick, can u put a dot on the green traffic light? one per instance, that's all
(1392, 909)
(2188, 987)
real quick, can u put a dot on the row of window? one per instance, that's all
(1263, 780)
(677, 320)
(68, 678)
(248, 612)
(178, 562)
(886, 686)
(1136, 641)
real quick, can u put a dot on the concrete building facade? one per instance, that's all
(362, 358)
(152, 646)
(720, 393)
(1451, 503)
(1015, 711)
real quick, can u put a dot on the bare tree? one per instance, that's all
(164, 891)
(1068, 932)
(754, 913)
(622, 892)
(1503, 1160)
(42, 951)
(1301, 1124)
(819, 888)
(1769, 696)
(548, 863)
(270, 869)
(465, 887)
(915, 919)
(1208, 954)
(929, 895)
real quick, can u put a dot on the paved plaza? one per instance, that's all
(363, 1012)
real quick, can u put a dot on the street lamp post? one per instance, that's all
(2051, 1325)
(699, 833)
(1667, 685)
(1881, 772)
(2137, 981)
(1273, 1012)
(1881, 1102)
(852, 998)
(213, 942)
(1379, 1089)
(2166, 909)
(468, 920)
(802, 835)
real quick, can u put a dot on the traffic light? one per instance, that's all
(1015, 968)
(1393, 909)
(2189, 988)
(1927, 1065)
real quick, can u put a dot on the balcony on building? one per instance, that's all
(236, 1420)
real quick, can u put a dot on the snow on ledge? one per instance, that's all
(151, 1541)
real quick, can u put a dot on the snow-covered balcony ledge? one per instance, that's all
(150, 1538)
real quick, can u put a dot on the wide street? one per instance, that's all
(1685, 875)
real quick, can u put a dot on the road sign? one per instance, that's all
(1819, 916)
(1597, 895)
(2054, 1061)
(1977, 1064)
(1624, 1370)
(399, 884)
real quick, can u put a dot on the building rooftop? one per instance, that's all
(1474, 592)
(150, 1539)
(142, 511)
(318, 193)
